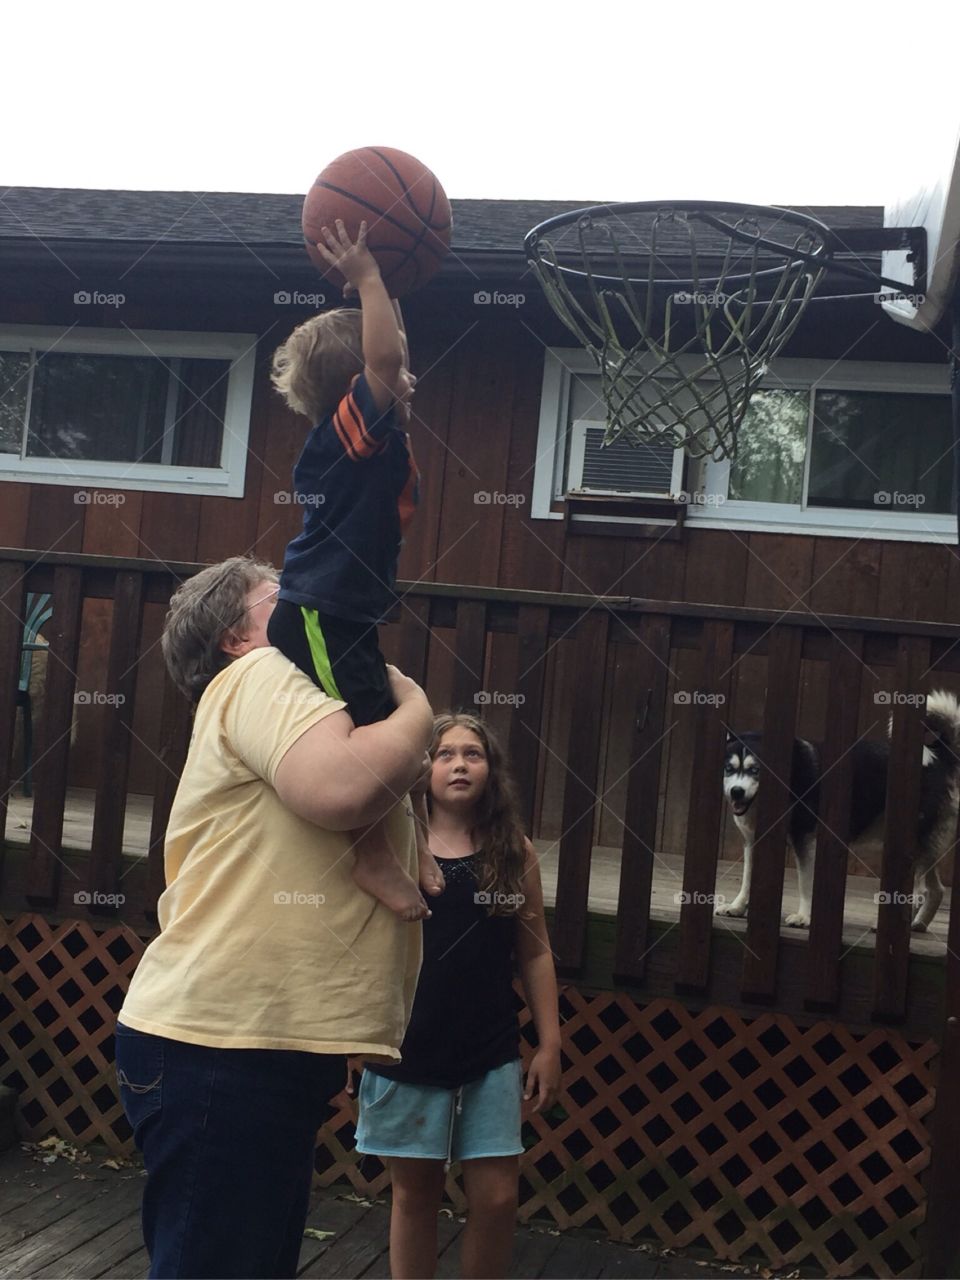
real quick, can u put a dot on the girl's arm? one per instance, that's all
(539, 980)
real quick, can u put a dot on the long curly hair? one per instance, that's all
(497, 830)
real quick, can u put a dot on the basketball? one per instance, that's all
(406, 210)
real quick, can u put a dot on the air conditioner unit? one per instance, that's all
(649, 471)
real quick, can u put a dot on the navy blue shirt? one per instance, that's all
(358, 484)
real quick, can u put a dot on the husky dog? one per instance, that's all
(936, 820)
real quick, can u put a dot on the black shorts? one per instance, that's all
(354, 671)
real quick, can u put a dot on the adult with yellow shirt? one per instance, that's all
(271, 965)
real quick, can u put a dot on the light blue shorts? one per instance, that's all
(424, 1122)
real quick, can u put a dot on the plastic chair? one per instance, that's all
(39, 612)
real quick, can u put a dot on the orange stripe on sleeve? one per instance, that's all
(343, 437)
(366, 445)
(351, 428)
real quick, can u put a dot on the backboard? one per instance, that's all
(930, 198)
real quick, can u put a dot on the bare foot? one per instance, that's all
(384, 879)
(431, 877)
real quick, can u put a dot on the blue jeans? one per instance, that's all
(228, 1138)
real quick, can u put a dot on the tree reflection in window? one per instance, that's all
(772, 448)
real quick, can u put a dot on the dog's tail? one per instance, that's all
(942, 729)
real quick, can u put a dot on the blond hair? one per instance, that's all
(313, 368)
(202, 610)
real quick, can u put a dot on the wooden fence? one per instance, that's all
(464, 643)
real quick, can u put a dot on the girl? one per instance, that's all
(456, 1095)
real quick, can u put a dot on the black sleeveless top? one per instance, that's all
(464, 1020)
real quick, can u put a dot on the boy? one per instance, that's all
(347, 371)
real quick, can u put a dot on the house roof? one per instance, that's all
(231, 218)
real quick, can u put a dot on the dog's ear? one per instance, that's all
(729, 737)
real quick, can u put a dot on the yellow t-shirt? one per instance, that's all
(265, 941)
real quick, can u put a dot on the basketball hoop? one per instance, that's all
(682, 306)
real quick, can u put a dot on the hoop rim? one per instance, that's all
(787, 253)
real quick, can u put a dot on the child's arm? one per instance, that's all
(539, 980)
(383, 341)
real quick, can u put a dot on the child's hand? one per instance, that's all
(353, 261)
(543, 1079)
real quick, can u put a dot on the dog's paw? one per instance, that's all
(918, 926)
(732, 909)
(798, 920)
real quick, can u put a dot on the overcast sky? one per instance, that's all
(810, 103)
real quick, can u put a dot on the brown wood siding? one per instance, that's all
(475, 430)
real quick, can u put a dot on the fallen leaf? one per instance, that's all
(313, 1233)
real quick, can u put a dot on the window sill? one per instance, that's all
(88, 476)
(883, 526)
(620, 516)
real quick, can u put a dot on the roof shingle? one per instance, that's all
(217, 217)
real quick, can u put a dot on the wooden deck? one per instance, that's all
(860, 910)
(81, 1222)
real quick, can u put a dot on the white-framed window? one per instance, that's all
(125, 409)
(843, 448)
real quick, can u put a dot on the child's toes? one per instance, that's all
(420, 912)
(431, 877)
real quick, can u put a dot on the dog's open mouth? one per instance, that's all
(740, 807)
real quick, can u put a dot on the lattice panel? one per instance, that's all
(753, 1139)
(60, 989)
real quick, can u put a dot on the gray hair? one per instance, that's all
(202, 610)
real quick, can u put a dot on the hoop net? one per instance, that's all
(682, 307)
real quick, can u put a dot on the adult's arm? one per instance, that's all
(341, 776)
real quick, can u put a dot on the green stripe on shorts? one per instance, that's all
(318, 651)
